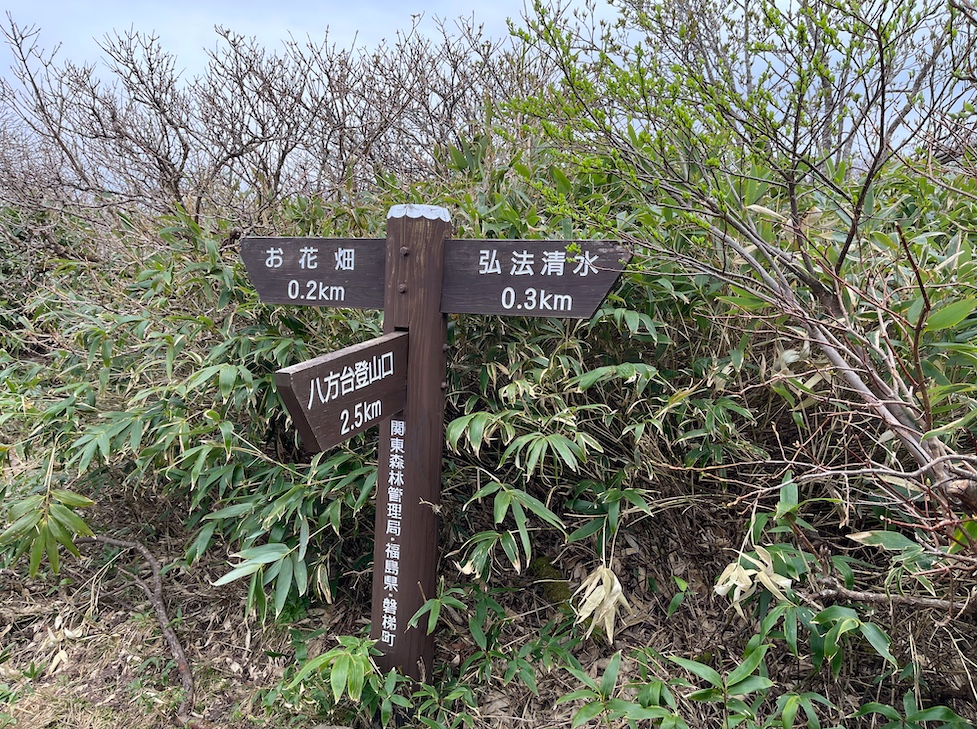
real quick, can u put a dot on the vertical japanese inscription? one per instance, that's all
(390, 619)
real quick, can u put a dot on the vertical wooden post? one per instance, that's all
(405, 558)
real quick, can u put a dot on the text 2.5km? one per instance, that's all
(536, 300)
(363, 412)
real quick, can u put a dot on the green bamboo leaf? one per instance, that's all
(885, 539)
(510, 549)
(878, 640)
(749, 685)
(315, 665)
(950, 315)
(357, 677)
(568, 450)
(456, 428)
(37, 549)
(748, 666)
(264, 554)
(502, 501)
(73, 523)
(283, 584)
(20, 527)
(71, 499)
(609, 680)
(338, 675)
(586, 713)
(476, 430)
(248, 568)
(300, 572)
(699, 669)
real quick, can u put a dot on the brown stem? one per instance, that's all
(918, 332)
(154, 594)
(949, 606)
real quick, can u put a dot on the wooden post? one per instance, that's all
(405, 557)
(333, 397)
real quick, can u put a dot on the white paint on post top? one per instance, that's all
(431, 212)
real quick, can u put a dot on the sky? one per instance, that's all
(186, 28)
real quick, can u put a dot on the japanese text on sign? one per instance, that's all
(525, 263)
(349, 379)
(310, 258)
(391, 552)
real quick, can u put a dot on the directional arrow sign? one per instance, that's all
(565, 279)
(334, 397)
(317, 271)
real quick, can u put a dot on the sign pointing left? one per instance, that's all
(334, 397)
(317, 271)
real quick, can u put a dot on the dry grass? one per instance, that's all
(83, 650)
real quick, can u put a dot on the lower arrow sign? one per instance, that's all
(334, 397)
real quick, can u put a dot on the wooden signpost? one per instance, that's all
(417, 276)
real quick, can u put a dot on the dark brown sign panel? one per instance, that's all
(334, 397)
(564, 279)
(317, 271)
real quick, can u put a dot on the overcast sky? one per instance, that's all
(186, 27)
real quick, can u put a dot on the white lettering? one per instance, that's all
(585, 264)
(274, 259)
(522, 263)
(553, 262)
(309, 258)
(488, 262)
(346, 259)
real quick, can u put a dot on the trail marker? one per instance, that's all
(417, 276)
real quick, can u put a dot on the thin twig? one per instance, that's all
(154, 594)
(930, 603)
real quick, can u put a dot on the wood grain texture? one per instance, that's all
(414, 274)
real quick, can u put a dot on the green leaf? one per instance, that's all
(338, 675)
(71, 499)
(873, 707)
(37, 550)
(356, 678)
(248, 568)
(748, 666)
(477, 633)
(69, 520)
(586, 713)
(878, 639)
(885, 539)
(609, 680)
(950, 315)
(21, 526)
(749, 685)
(283, 584)
(265, 554)
(699, 669)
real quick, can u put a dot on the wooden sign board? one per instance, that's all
(334, 397)
(317, 271)
(417, 276)
(563, 279)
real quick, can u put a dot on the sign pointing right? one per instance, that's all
(564, 279)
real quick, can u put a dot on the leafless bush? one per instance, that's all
(258, 125)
